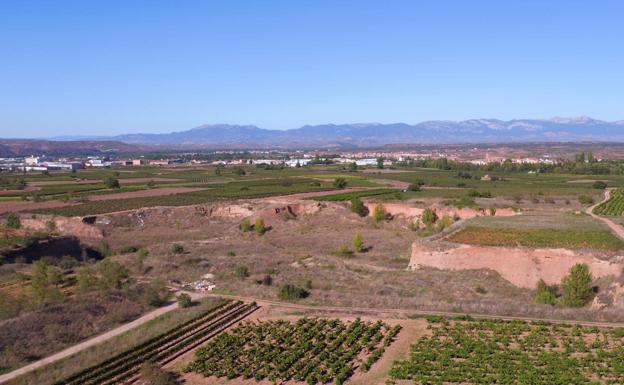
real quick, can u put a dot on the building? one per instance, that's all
(295, 162)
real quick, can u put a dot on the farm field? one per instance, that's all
(614, 206)
(310, 350)
(513, 352)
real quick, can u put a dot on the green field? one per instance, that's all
(513, 353)
(614, 206)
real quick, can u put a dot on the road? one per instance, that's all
(616, 228)
(93, 341)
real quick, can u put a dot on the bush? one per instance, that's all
(544, 294)
(242, 271)
(413, 187)
(577, 289)
(153, 374)
(155, 294)
(245, 225)
(357, 206)
(599, 185)
(267, 280)
(259, 227)
(340, 183)
(184, 300)
(177, 248)
(111, 182)
(358, 243)
(429, 217)
(344, 250)
(379, 213)
(292, 292)
(13, 221)
(586, 200)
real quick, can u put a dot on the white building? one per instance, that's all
(300, 162)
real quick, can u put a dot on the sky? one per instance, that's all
(112, 67)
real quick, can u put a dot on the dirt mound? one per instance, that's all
(74, 226)
(275, 211)
(522, 267)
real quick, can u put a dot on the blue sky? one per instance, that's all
(110, 67)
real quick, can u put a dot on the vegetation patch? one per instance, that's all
(355, 194)
(513, 353)
(310, 350)
(614, 206)
(571, 239)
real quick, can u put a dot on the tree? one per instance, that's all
(87, 279)
(340, 183)
(13, 221)
(577, 289)
(358, 243)
(111, 275)
(184, 300)
(358, 207)
(239, 171)
(379, 213)
(380, 163)
(111, 182)
(259, 227)
(45, 281)
(352, 167)
(413, 187)
(429, 217)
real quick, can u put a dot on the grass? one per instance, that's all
(549, 238)
(347, 196)
(86, 358)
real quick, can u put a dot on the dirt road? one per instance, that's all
(616, 228)
(93, 341)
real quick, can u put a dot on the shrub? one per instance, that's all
(259, 227)
(492, 211)
(153, 374)
(267, 280)
(599, 185)
(586, 200)
(13, 221)
(111, 182)
(357, 206)
(544, 294)
(379, 213)
(105, 249)
(245, 225)
(143, 252)
(242, 272)
(177, 248)
(340, 183)
(344, 250)
(429, 217)
(184, 300)
(413, 187)
(292, 292)
(358, 243)
(577, 289)
(155, 294)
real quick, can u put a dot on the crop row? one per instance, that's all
(514, 353)
(614, 206)
(347, 196)
(126, 363)
(310, 350)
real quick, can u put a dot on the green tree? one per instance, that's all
(259, 227)
(45, 280)
(340, 183)
(111, 275)
(352, 167)
(13, 221)
(358, 243)
(577, 289)
(291, 292)
(155, 294)
(87, 279)
(380, 163)
(358, 207)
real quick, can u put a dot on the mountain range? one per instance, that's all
(378, 134)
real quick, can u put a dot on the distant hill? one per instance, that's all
(25, 147)
(377, 134)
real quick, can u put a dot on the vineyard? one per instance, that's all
(514, 353)
(614, 206)
(162, 348)
(311, 350)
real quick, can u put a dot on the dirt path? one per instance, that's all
(616, 228)
(93, 341)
